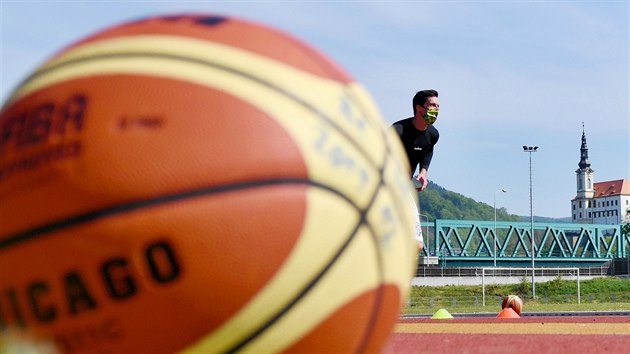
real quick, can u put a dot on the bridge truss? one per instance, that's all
(474, 241)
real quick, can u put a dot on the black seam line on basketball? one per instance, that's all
(205, 62)
(362, 221)
(20, 237)
(305, 290)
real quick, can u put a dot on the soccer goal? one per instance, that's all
(495, 272)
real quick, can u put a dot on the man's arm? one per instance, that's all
(425, 162)
(422, 173)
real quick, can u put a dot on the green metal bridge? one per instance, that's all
(484, 243)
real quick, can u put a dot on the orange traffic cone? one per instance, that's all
(508, 312)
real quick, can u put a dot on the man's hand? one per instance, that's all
(422, 180)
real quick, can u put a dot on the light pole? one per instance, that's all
(426, 237)
(531, 149)
(495, 225)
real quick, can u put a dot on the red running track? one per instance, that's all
(574, 335)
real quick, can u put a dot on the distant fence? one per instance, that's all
(424, 304)
(505, 272)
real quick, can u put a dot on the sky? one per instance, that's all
(509, 73)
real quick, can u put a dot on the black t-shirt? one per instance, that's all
(418, 144)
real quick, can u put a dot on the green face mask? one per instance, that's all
(431, 115)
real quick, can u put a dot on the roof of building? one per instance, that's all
(610, 188)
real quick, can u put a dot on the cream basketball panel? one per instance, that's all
(364, 100)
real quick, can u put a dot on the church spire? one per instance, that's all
(584, 163)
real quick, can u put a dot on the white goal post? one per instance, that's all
(573, 271)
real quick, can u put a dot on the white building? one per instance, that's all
(598, 203)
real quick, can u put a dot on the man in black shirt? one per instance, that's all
(419, 136)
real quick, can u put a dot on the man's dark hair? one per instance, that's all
(421, 97)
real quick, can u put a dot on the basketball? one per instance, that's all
(514, 302)
(200, 184)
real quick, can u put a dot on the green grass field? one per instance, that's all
(600, 294)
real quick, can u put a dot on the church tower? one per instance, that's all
(585, 186)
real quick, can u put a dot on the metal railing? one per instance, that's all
(476, 271)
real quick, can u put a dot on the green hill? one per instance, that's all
(437, 202)
(566, 220)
